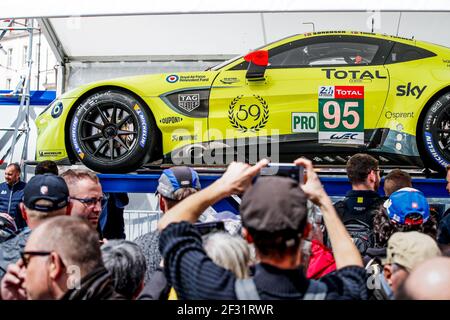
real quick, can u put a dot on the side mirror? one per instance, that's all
(258, 61)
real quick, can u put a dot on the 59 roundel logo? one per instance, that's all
(172, 78)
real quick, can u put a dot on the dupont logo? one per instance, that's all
(349, 92)
(172, 78)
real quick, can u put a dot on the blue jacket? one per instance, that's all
(10, 197)
(10, 249)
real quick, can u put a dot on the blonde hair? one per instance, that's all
(72, 176)
(229, 252)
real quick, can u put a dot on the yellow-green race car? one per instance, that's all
(323, 95)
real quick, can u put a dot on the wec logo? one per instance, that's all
(345, 136)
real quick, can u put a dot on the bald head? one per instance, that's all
(73, 238)
(428, 281)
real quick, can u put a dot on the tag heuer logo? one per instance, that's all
(189, 102)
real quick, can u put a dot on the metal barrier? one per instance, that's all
(138, 222)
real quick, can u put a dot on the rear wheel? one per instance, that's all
(112, 131)
(436, 134)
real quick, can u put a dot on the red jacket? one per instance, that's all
(321, 261)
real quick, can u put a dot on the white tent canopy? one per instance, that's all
(132, 36)
(60, 8)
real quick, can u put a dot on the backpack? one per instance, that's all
(361, 233)
(245, 289)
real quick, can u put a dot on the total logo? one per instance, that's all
(172, 78)
(341, 92)
(350, 92)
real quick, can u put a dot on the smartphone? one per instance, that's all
(284, 170)
(208, 227)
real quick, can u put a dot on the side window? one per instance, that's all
(403, 52)
(337, 53)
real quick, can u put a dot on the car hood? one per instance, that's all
(150, 85)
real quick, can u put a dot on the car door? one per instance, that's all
(328, 90)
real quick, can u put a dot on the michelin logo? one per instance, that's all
(431, 149)
(143, 124)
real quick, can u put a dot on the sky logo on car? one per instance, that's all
(172, 78)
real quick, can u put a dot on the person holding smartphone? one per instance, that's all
(274, 215)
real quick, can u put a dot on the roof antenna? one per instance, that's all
(313, 26)
(373, 22)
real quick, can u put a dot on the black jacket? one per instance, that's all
(96, 285)
(157, 288)
(195, 276)
(359, 205)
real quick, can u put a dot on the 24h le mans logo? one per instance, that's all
(250, 116)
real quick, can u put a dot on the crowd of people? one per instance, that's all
(62, 238)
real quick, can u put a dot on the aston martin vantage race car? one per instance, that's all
(323, 95)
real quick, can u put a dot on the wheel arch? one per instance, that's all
(71, 155)
(419, 124)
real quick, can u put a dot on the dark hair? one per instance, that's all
(15, 165)
(400, 179)
(383, 227)
(359, 167)
(448, 167)
(47, 166)
(275, 244)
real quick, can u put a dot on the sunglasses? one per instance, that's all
(27, 255)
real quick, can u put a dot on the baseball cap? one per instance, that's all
(409, 249)
(175, 178)
(46, 187)
(274, 204)
(408, 206)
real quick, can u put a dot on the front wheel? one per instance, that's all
(436, 134)
(112, 131)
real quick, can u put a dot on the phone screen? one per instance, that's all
(284, 170)
(207, 227)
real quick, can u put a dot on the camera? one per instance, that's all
(284, 170)
(208, 227)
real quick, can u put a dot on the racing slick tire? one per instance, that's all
(112, 132)
(435, 135)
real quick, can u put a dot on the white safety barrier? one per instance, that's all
(139, 222)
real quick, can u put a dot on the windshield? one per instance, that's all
(223, 64)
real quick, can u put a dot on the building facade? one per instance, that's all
(13, 59)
